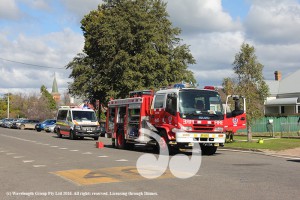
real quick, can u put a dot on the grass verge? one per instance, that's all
(273, 144)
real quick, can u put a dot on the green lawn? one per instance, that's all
(274, 144)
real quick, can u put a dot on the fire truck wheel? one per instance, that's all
(129, 146)
(162, 144)
(208, 150)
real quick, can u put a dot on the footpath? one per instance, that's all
(293, 153)
(288, 152)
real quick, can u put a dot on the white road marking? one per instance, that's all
(10, 153)
(53, 146)
(102, 156)
(19, 157)
(28, 161)
(39, 165)
(87, 153)
(63, 148)
(74, 150)
(3, 151)
(122, 160)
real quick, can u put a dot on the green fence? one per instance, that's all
(286, 126)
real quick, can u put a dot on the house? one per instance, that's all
(284, 94)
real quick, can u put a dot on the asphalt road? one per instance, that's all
(41, 166)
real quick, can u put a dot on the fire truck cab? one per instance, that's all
(180, 116)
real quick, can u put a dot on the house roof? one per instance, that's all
(290, 84)
(273, 87)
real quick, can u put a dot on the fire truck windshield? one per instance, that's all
(200, 104)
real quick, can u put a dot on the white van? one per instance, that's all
(77, 123)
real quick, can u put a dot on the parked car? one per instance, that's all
(7, 122)
(28, 124)
(50, 128)
(2, 121)
(16, 123)
(40, 126)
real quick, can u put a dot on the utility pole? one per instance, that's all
(7, 105)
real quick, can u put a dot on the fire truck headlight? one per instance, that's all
(182, 129)
(187, 128)
(219, 129)
(77, 127)
(174, 130)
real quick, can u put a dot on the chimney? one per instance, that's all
(277, 75)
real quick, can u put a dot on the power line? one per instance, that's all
(41, 66)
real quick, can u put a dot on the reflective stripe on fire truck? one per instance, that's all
(200, 135)
(183, 137)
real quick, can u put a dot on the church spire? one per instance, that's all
(54, 85)
(55, 93)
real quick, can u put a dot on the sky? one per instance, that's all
(38, 38)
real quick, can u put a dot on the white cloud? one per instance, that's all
(213, 50)
(284, 58)
(79, 8)
(194, 16)
(272, 27)
(50, 50)
(38, 4)
(213, 35)
(212, 77)
(214, 53)
(274, 21)
(9, 10)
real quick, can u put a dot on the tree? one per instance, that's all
(249, 83)
(129, 45)
(3, 105)
(16, 106)
(46, 96)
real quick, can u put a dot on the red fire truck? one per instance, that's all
(180, 116)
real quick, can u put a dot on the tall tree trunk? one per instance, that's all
(249, 133)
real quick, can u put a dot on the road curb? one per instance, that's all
(256, 151)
